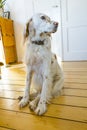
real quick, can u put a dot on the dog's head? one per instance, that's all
(40, 26)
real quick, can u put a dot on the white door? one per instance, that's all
(74, 29)
(52, 9)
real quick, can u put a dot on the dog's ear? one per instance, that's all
(29, 30)
(26, 30)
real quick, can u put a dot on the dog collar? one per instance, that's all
(38, 42)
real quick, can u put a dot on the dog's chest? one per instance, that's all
(35, 55)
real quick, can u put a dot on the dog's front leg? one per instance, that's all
(25, 99)
(41, 108)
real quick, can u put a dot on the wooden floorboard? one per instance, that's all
(61, 111)
(15, 94)
(67, 112)
(75, 85)
(20, 121)
(3, 128)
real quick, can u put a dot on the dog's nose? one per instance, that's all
(55, 23)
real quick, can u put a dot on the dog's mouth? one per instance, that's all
(53, 31)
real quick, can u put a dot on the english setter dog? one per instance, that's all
(43, 71)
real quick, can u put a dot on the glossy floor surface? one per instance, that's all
(67, 112)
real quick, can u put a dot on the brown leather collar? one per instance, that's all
(38, 42)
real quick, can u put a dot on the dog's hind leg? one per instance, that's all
(57, 85)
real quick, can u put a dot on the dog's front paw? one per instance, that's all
(33, 105)
(23, 102)
(41, 109)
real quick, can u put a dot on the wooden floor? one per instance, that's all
(68, 112)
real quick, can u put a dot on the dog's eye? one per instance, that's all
(43, 17)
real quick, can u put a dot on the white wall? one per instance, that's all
(20, 11)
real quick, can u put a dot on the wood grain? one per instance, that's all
(67, 112)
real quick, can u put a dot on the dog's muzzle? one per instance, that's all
(55, 26)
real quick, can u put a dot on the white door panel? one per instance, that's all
(77, 12)
(77, 38)
(52, 9)
(74, 29)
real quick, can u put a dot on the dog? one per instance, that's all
(42, 69)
